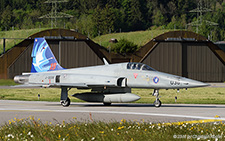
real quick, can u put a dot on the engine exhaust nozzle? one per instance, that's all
(21, 79)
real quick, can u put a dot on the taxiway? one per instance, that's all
(55, 113)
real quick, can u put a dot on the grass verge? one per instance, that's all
(31, 129)
(16, 34)
(7, 82)
(206, 95)
(139, 38)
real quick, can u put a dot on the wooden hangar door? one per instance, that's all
(203, 64)
(21, 64)
(77, 54)
(166, 57)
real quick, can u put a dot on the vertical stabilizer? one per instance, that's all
(43, 59)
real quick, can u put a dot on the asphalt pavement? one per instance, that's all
(88, 112)
(54, 112)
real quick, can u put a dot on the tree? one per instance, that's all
(150, 6)
(87, 5)
(135, 18)
(113, 3)
(104, 19)
(6, 18)
(18, 15)
(124, 46)
(27, 23)
(2, 5)
(97, 18)
(158, 18)
(86, 25)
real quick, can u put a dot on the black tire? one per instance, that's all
(157, 103)
(66, 103)
(107, 104)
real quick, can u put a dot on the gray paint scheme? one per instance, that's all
(110, 81)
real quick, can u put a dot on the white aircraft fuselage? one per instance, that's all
(108, 83)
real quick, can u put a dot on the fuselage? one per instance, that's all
(109, 83)
(132, 75)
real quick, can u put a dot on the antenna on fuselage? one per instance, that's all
(105, 61)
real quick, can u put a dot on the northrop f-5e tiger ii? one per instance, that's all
(109, 83)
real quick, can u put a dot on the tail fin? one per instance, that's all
(43, 59)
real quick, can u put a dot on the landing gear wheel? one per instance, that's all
(157, 103)
(107, 104)
(66, 103)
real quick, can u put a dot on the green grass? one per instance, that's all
(16, 34)
(140, 38)
(206, 95)
(31, 129)
(7, 82)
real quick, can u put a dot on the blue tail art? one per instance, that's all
(43, 59)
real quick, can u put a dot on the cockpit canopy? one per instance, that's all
(139, 66)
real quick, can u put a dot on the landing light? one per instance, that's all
(45, 86)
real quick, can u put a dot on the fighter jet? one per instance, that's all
(109, 83)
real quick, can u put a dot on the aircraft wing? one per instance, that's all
(26, 86)
(71, 85)
(69, 80)
(81, 85)
(74, 85)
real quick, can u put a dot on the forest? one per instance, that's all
(98, 17)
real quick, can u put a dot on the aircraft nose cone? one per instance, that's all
(193, 83)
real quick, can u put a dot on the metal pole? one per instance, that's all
(59, 52)
(3, 45)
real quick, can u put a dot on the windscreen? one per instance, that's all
(139, 66)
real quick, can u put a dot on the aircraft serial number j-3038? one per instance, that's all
(109, 83)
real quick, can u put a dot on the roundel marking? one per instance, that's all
(155, 79)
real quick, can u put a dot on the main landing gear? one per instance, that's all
(157, 102)
(65, 100)
(65, 103)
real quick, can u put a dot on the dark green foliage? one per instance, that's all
(123, 46)
(6, 18)
(97, 17)
(104, 19)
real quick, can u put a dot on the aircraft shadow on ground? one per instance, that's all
(139, 105)
(195, 106)
(101, 105)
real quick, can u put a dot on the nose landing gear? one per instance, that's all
(157, 102)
